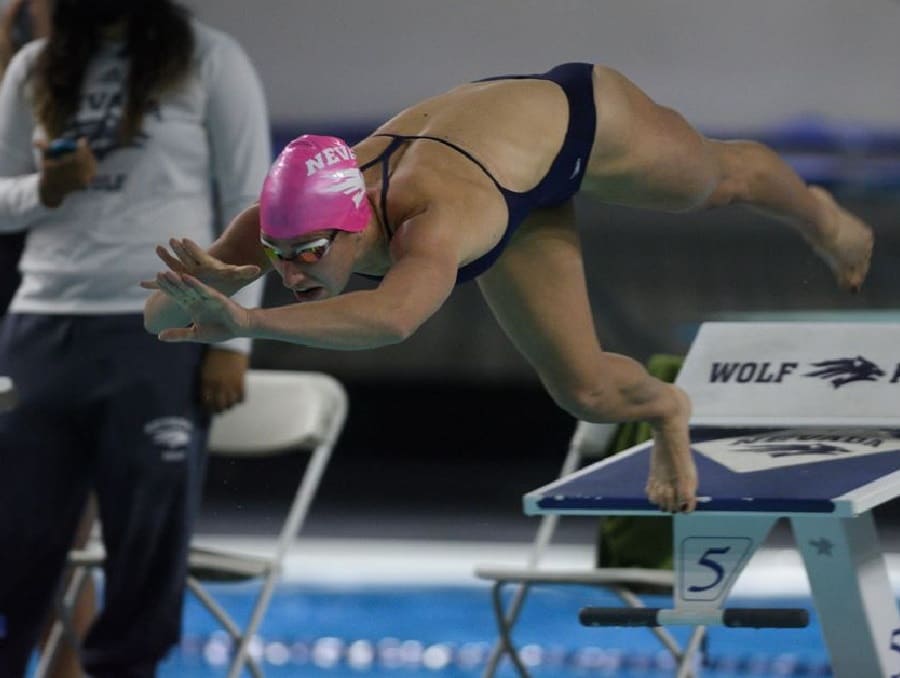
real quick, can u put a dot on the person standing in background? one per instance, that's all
(129, 120)
(20, 22)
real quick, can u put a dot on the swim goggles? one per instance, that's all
(307, 252)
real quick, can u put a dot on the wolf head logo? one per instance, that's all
(351, 185)
(842, 371)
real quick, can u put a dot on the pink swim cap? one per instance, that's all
(313, 185)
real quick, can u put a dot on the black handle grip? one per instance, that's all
(734, 617)
(766, 618)
(618, 616)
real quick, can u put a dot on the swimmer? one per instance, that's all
(477, 184)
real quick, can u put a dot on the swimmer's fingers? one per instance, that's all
(198, 262)
(173, 263)
(201, 290)
(198, 254)
(175, 286)
(215, 317)
(185, 254)
(246, 273)
(208, 263)
(178, 334)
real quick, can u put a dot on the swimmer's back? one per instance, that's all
(513, 127)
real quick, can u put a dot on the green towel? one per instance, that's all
(635, 541)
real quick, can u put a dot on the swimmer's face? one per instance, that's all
(315, 266)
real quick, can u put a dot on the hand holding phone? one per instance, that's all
(59, 147)
(69, 165)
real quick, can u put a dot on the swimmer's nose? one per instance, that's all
(293, 277)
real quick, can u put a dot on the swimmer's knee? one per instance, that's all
(739, 167)
(727, 191)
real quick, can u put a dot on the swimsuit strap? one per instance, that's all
(400, 138)
(384, 157)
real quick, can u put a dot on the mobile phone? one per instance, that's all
(59, 147)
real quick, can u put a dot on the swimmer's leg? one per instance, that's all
(646, 155)
(538, 294)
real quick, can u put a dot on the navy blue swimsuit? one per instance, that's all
(560, 183)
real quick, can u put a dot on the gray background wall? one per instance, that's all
(724, 63)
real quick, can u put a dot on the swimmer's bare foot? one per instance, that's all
(672, 482)
(846, 243)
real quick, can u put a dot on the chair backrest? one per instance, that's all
(587, 441)
(282, 411)
(7, 393)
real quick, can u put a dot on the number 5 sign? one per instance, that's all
(709, 566)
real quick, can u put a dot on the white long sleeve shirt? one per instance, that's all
(200, 158)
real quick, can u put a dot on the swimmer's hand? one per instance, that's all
(191, 259)
(672, 482)
(214, 316)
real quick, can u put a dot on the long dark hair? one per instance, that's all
(159, 44)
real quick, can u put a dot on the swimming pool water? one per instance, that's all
(448, 631)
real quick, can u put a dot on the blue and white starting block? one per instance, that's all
(793, 420)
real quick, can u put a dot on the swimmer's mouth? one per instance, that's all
(309, 294)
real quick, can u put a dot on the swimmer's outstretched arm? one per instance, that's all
(411, 292)
(420, 279)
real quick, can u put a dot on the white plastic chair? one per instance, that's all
(282, 412)
(589, 441)
(7, 394)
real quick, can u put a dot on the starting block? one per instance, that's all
(791, 420)
(7, 394)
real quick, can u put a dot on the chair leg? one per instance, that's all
(505, 621)
(51, 647)
(259, 610)
(234, 631)
(62, 629)
(214, 608)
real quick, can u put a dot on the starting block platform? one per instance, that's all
(791, 420)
